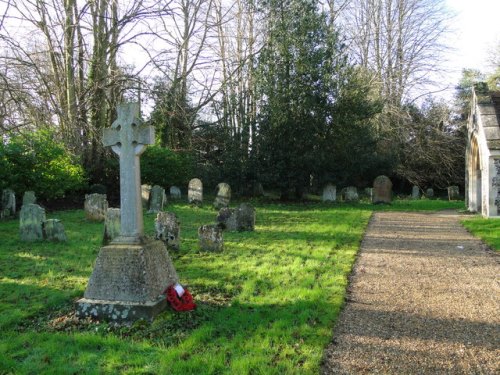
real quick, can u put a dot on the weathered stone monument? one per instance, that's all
(29, 197)
(111, 225)
(168, 229)
(453, 193)
(31, 219)
(8, 204)
(145, 192)
(195, 191)
(157, 199)
(350, 194)
(210, 238)
(53, 230)
(175, 192)
(222, 196)
(95, 207)
(258, 189)
(329, 193)
(429, 193)
(369, 193)
(238, 219)
(415, 192)
(382, 190)
(131, 274)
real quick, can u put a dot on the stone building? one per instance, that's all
(482, 175)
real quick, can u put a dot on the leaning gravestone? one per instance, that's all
(453, 193)
(111, 225)
(329, 193)
(29, 197)
(168, 229)
(195, 191)
(239, 219)
(210, 238)
(8, 204)
(222, 196)
(157, 199)
(145, 192)
(175, 192)
(429, 193)
(350, 194)
(415, 192)
(131, 274)
(95, 207)
(382, 190)
(31, 219)
(53, 230)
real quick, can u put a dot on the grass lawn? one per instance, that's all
(266, 305)
(486, 229)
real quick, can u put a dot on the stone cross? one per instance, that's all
(128, 138)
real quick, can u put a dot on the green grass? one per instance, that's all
(266, 305)
(486, 229)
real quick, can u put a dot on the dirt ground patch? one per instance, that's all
(424, 298)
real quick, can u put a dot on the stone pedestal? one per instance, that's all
(128, 282)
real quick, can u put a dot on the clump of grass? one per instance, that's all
(486, 229)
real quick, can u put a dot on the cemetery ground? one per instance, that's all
(266, 304)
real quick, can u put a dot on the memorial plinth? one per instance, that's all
(132, 272)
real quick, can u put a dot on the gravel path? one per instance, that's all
(424, 298)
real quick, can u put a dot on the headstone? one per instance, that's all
(31, 219)
(111, 225)
(168, 229)
(237, 219)
(382, 190)
(145, 191)
(53, 230)
(131, 274)
(157, 199)
(369, 193)
(175, 192)
(222, 196)
(415, 192)
(29, 197)
(329, 193)
(350, 194)
(453, 193)
(95, 207)
(258, 189)
(8, 204)
(210, 238)
(195, 191)
(429, 193)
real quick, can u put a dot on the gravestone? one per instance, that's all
(29, 197)
(369, 193)
(111, 225)
(382, 190)
(415, 192)
(175, 192)
(145, 192)
(195, 191)
(31, 219)
(453, 193)
(429, 193)
(157, 199)
(95, 207)
(168, 229)
(130, 274)
(8, 204)
(239, 219)
(53, 230)
(350, 194)
(222, 196)
(210, 238)
(258, 189)
(329, 193)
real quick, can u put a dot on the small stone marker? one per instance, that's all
(29, 197)
(350, 194)
(131, 274)
(453, 193)
(369, 193)
(175, 192)
(429, 193)
(223, 195)
(95, 207)
(53, 230)
(415, 192)
(168, 229)
(145, 192)
(31, 220)
(329, 193)
(239, 219)
(195, 191)
(258, 189)
(8, 204)
(210, 238)
(157, 199)
(382, 190)
(111, 225)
